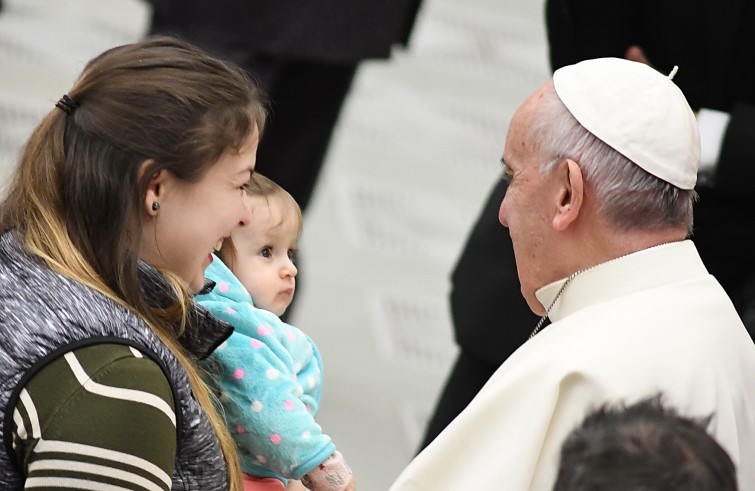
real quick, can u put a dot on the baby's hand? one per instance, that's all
(332, 475)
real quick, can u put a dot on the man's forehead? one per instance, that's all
(513, 149)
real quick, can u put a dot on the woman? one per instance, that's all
(121, 195)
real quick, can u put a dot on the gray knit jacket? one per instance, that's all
(44, 314)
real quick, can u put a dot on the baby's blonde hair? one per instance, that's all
(264, 187)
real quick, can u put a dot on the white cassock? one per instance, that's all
(651, 321)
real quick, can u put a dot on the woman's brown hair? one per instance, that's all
(78, 193)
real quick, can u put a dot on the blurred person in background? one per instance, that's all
(304, 56)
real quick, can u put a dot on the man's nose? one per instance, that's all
(502, 214)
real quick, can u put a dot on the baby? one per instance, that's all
(269, 373)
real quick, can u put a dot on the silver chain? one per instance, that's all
(563, 287)
(548, 310)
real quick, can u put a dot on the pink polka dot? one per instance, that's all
(223, 287)
(264, 330)
(289, 405)
(290, 336)
(230, 310)
(238, 374)
(255, 343)
(275, 438)
(240, 429)
(309, 408)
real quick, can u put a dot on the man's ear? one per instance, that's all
(155, 187)
(570, 195)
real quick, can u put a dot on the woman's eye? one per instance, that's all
(266, 252)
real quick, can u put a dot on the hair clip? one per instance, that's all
(66, 104)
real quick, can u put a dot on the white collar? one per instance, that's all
(638, 271)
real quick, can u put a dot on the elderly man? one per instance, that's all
(602, 162)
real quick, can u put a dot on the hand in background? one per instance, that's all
(635, 53)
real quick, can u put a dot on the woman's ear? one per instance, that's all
(154, 188)
(571, 195)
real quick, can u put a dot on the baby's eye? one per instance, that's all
(293, 255)
(266, 251)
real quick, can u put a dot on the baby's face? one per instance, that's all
(265, 256)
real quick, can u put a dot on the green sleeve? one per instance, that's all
(97, 416)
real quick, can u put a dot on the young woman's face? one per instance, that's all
(194, 218)
(265, 250)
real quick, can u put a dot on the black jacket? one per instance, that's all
(335, 31)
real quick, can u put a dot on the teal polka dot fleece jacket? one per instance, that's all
(269, 375)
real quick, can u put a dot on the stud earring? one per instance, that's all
(155, 206)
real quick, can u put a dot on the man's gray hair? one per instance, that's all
(628, 196)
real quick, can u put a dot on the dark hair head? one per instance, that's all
(643, 447)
